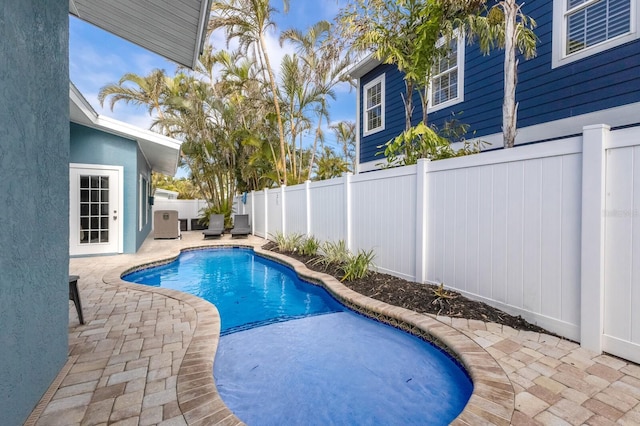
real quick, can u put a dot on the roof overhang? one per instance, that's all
(162, 153)
(363, 67)
(175, 29)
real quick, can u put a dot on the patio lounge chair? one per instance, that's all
(216, 226)
(74, 295)
(241, 225)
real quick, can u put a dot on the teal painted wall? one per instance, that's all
(34, 193)
(91, 146)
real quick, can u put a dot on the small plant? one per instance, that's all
(441, 293)
(431, 142)
(226, 209)
(309, 246)
(280, 239)
(442, 297)
(287, 243)
(332, 254)
(358, 265)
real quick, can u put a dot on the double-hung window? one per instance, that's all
(584, 27)
(373, 93)
(447, 79)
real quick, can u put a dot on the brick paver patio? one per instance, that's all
(145, 356)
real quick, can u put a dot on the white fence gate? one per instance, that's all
(549, 231)
(622, 246)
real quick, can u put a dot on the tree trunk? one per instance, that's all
(315, 147)
(276, 103)
(424, 98)
(408, 104)
(509, 107)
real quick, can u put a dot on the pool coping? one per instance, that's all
(492, 400)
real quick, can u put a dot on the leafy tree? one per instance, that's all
(184, 187)
(330, 165)
(405, 33)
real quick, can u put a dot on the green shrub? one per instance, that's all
(357, 265)
(226, 209)
(332, 254)
(309, 246)
(287, 243)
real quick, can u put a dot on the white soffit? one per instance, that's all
(161, 152)
(363, 67)
(174, 29)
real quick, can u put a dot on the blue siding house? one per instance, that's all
(110, 180)
(587, 71)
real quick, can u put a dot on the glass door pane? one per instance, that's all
(94, 209)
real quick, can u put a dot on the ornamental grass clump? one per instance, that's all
(358, 265)
(287, 243)
(332, 254)
(309, 246)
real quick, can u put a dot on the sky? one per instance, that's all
(97, 58)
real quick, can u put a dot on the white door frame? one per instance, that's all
(74, 212)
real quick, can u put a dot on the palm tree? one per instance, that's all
(323, 56)
(345, 132)
(330, 165)
(507, 27)
(247, 21)
(132, 88)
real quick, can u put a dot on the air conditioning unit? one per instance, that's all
(166, 224)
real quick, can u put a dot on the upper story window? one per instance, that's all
(591, 26)
(447, 80)
(374, 105)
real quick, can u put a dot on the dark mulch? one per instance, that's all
(419, 297)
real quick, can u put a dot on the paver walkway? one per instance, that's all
(138, 355)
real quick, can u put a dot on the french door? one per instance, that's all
(95, 204)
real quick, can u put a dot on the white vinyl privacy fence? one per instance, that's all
(187, 209)
(549, 231)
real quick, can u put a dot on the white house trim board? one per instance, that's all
(160, 152)
(369, 63)
(614, 117)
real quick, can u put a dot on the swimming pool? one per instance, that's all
(291, 354)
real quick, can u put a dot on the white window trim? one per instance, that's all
(380, 79)
(559, 36)
(144, 215)
(460, 96)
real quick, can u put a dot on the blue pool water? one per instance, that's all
(291, 354)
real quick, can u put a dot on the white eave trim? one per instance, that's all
(129, 131)
(363, 67)
(120, 128)
(202, 31)
(79, 101)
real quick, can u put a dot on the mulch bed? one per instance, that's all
(418, 297)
